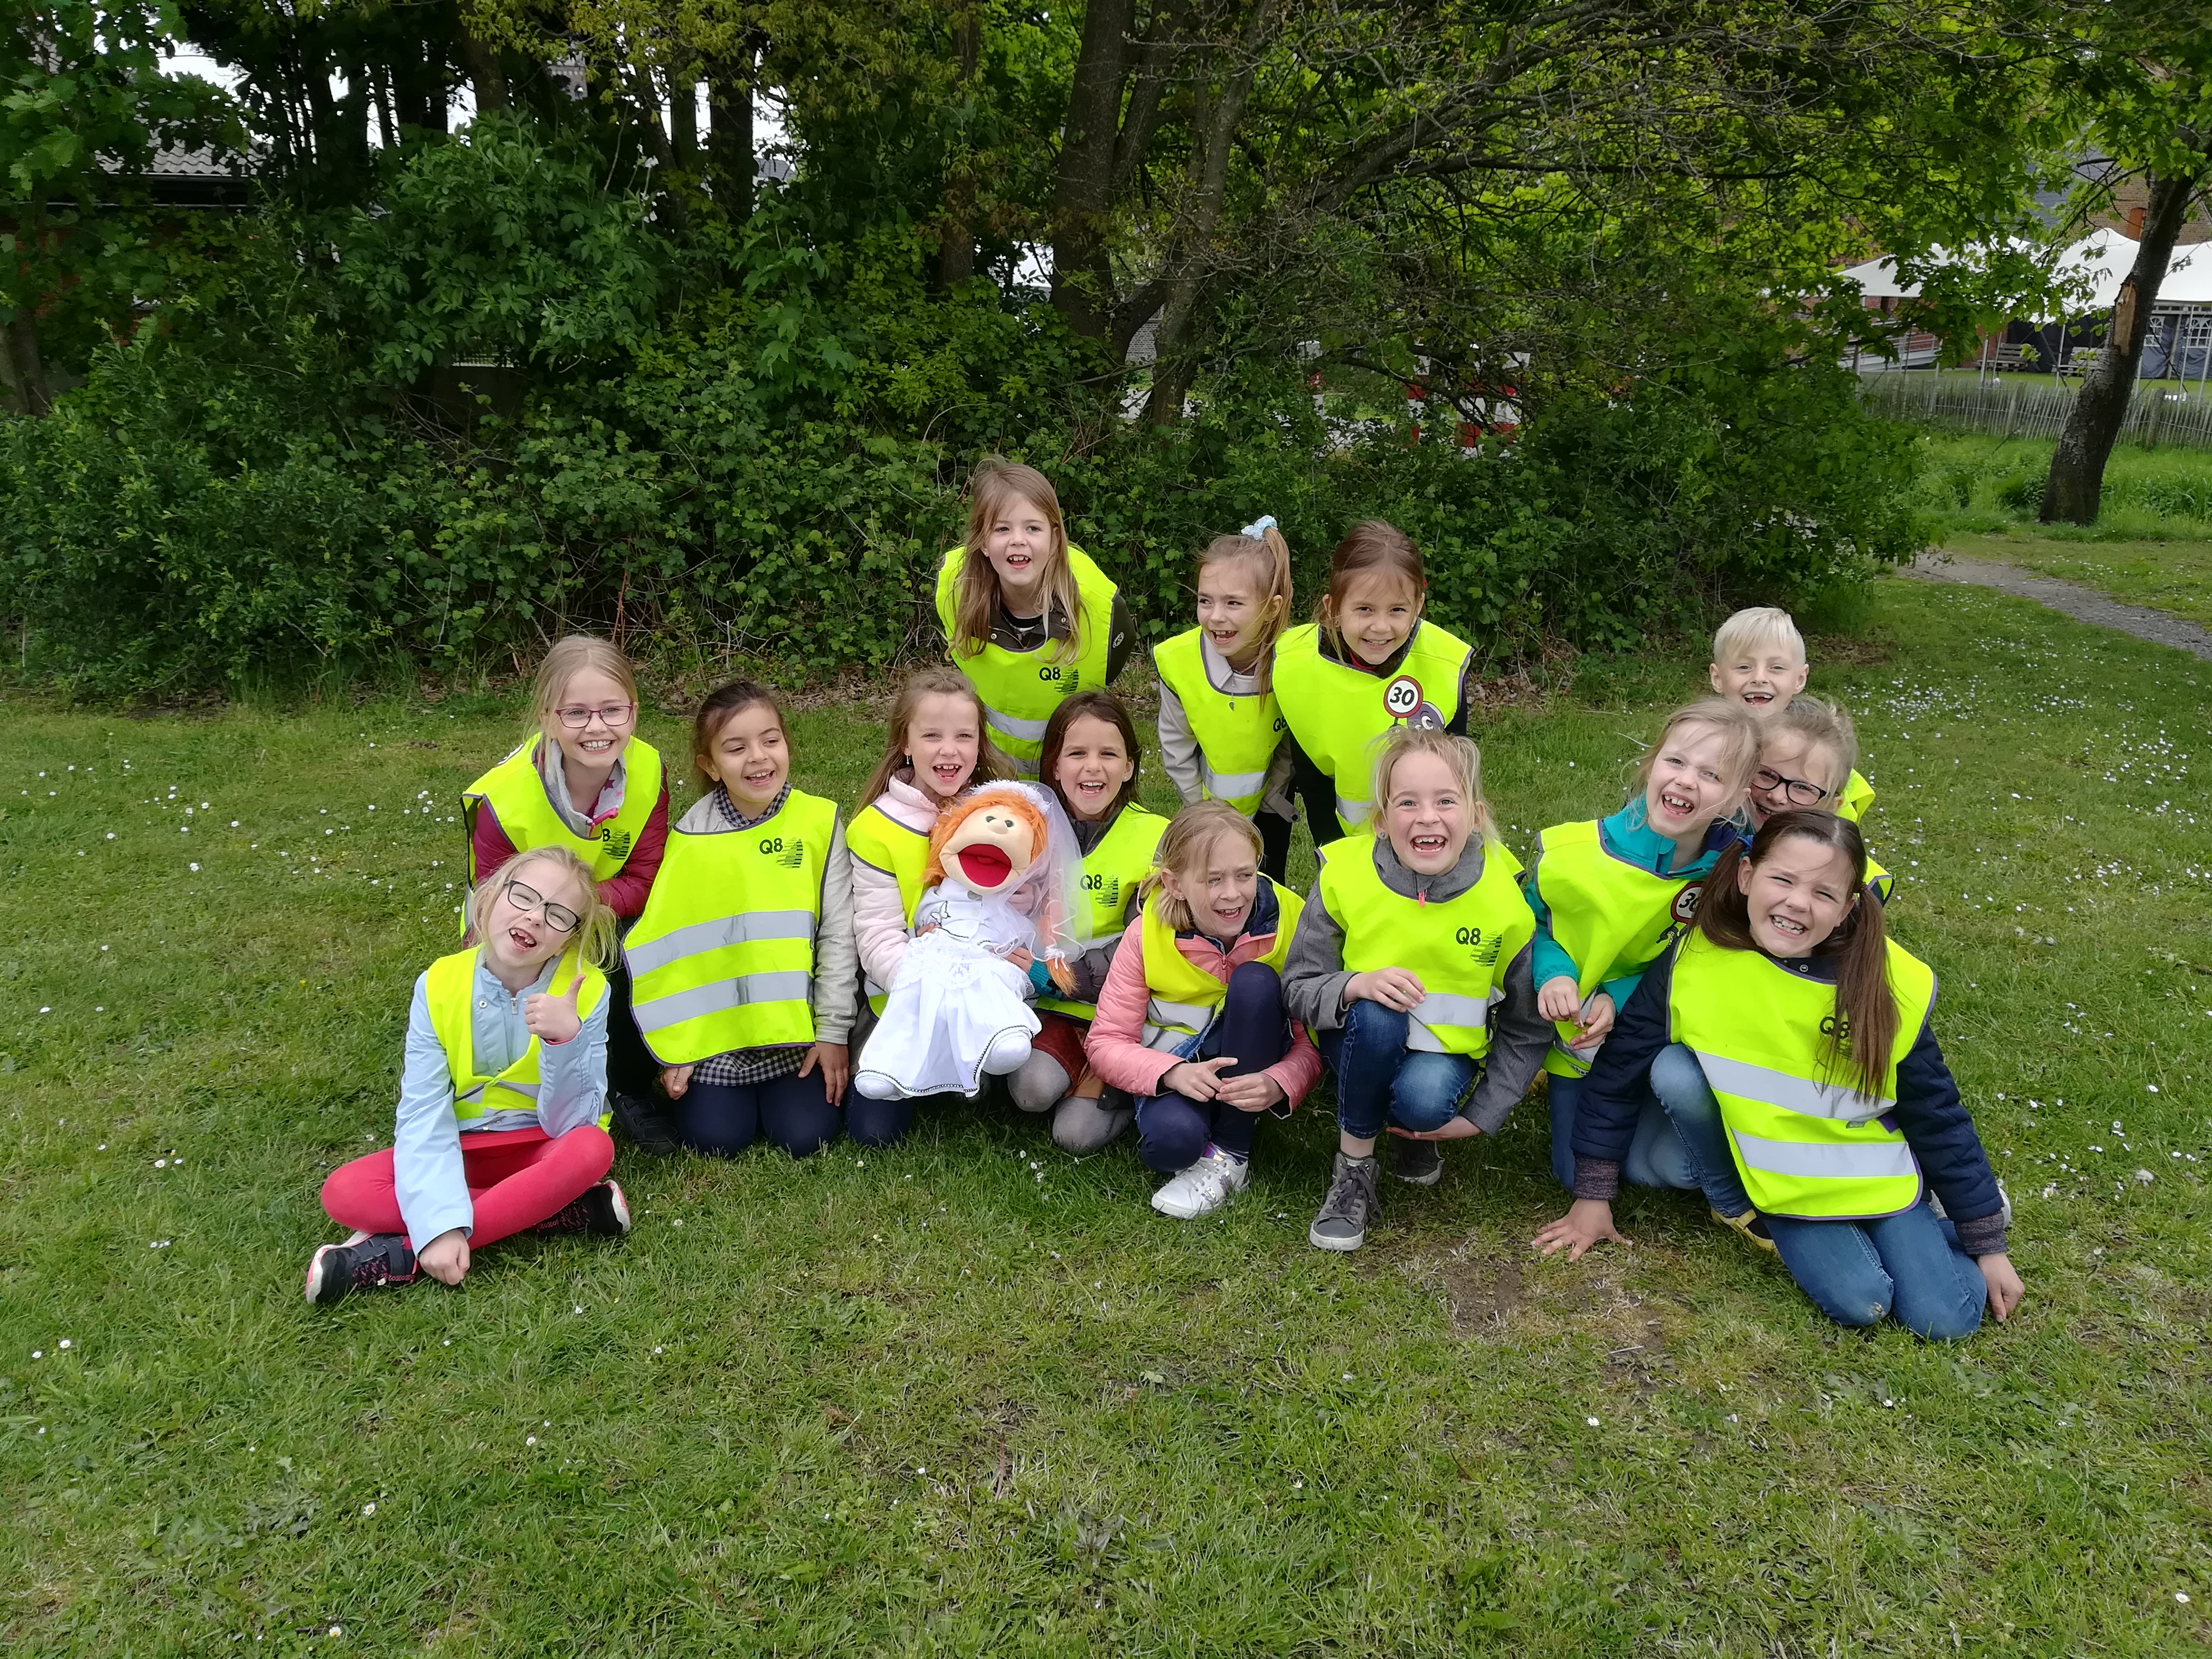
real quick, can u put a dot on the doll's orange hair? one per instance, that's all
(965, 808)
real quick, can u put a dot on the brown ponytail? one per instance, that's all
(1864, 1030)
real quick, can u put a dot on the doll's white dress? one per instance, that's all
(958, 1010)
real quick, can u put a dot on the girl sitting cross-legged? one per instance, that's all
(1190, 1020)
(1826, 1110)
(503, 1097)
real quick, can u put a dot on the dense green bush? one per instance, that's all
(274, 480)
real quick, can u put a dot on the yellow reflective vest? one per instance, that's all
(880, 841)
(1183, 998)
(1112, 873)
(1460, 949)
(451, 991)
(1807, 1143)
(1020, 688)
(1613, 917)
(517, 794)
(1237, 736)
(1340, 715)
(723, 957)
(1857, 796)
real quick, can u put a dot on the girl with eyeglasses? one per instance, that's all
(585, 781)
(501, 1126)
(1807, 754)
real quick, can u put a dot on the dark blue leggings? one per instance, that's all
(720, 1120)
(1173, 1131)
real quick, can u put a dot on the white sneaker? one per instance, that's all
(1204, 1188)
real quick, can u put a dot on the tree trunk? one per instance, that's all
(2072, 492)
(1082, 276)
(956, 244)
(21, 368)
(486, 73)
(684, 118)
(1193, 250)
(730, 164)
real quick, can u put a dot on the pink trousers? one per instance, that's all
(516, 1178)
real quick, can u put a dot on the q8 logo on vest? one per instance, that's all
(784, 856)
(1481, 949)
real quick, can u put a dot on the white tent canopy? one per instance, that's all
(2102, 260)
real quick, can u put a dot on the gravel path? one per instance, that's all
(2083, 604)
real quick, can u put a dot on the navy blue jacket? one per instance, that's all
(1935, 1123)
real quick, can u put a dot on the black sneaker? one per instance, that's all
(1350, 1207)
(602, 1210)
(647, 1121)
(336, 1270)
(1421, 1162)
(1752, 1224)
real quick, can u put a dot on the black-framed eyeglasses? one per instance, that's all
(1798, 791)
(610, 714)
(559, 917)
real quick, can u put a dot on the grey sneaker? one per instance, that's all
(1350, 1206)
(1421, 1162)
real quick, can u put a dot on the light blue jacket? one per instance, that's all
(426, 1150)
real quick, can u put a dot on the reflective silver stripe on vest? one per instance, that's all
(1879, 1161)
(1169, 1023)
(1790, 1093)
(701, 937)
(998, 720)
(498, 1119)
(1354, 812)
(1442, 1008)
(529, 1089)
(721, 997)
(1229, 785)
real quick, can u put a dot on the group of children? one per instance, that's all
(1704, 974)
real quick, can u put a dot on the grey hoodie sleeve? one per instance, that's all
(1178, 745)
(836, 957)
(1519, 1037)
(1314, 974)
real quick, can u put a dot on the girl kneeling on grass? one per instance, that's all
(1826, 1106)
(743, 961)
(1609, 893)
(1411, 966)
(501, 1098)
(1089, 761)
(1190, 1019)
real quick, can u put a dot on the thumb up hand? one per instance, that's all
(551, 1016)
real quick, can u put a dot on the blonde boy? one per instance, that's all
(1759, 660)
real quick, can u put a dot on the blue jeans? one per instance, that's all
(791, 1111)
(1379, 1081)
(1173, 1130)
(1657, 1155)
(1910, 1264)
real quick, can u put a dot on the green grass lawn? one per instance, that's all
(970, 1396)
(2174, 576)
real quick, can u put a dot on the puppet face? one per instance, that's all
(992, 846)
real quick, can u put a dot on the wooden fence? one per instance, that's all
(2016, 409)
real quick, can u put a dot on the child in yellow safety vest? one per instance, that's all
(1759, 661)
(1089, 760)
(743, 961)
(501, 1126)
(1221, 730)
(1608, 894)
(1367, 664)
(1028, 616)
(938, 747)
(1823, 1113)
(585, 781)
(1805, 756)
(1190, 1020)
(1411, 968)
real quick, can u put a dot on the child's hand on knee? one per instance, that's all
(1588, 1221)
(2003, 1281)
(446, 1258)
(675, 1079)
(1453, 1129)
(1197, 1079)
(1394, 987)
(837, 1063)
(1559, 999)
(1254, 1093)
